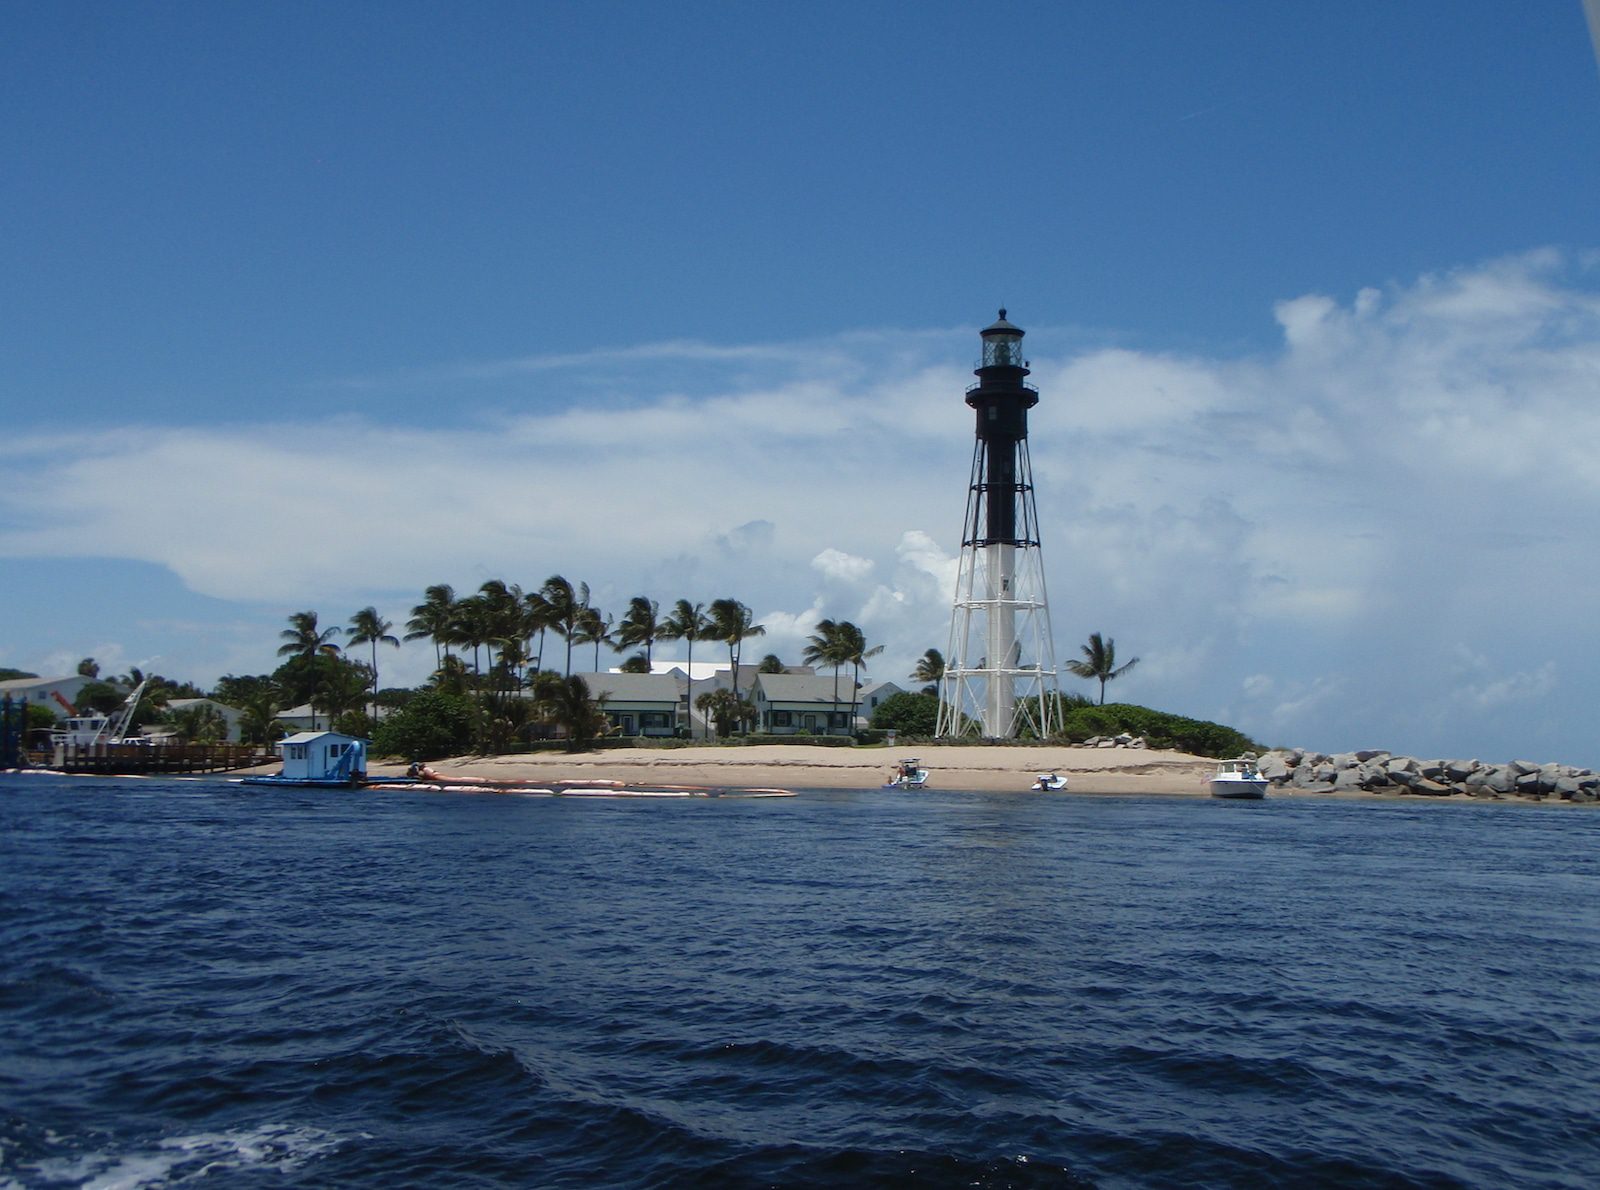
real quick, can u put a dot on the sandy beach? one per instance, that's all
(802, 766)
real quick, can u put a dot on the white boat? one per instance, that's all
(1239, 778)
(1049, 781)
(80, 731)
(910, 775)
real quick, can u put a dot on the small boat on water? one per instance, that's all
(1049, 781)
(1239, 779)
(910, 775)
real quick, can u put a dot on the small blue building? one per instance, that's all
(324, 756)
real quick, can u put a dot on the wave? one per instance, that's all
(103, 1164)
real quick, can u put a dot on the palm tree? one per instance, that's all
(535, 619)
(930, 669)
(367, 627)
(825, 646)
(501, 623)
(687, 622)
(502, 606)
(469, 628)
(731, 624)
(302, 639)
(259, 713)
(593, 628)
(432, 618)
(199, 724)
(853, 643)
(641, 626)
(1100, 661)
(771, 664)
(341, 686)
(566, 606)
(565, 702)
(451, 677)
(726, 709)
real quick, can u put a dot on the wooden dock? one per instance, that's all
(147, 759)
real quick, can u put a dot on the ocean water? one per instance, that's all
(204, 983)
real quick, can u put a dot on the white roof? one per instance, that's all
(305, 737)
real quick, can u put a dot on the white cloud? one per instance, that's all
(842, 567)
(1292, 538)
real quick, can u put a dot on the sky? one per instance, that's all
(309, 306)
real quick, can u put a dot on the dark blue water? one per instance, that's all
(208, 983)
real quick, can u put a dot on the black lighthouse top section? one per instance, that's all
(1002, 345)
(1001, 475)
(1000, 396)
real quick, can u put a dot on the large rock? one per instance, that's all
(1460, 770)
(1372, 774)
(1423, 785)
(1275, 767)
(1347, 779)
(1499, 779)
(1305, 777)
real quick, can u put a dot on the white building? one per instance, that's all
(60, 695)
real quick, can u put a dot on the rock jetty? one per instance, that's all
(1114, 741)
(1382, 772)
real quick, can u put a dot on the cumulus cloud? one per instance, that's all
(1294, 539)
(843, 567)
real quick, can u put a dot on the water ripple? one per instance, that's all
(843, 989)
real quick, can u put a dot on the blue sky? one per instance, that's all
(313, 305)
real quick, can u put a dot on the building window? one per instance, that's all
(782, 718)
(649, 719)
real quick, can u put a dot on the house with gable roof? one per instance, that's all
(789, 704)
(638, 704)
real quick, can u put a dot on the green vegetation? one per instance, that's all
(908, 714)
(198, 724)
(1159, 729)
(432, 725)
(727, 710)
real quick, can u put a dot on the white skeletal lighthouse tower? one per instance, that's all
(1000, 670)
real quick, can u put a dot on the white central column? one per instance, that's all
(1002, 638)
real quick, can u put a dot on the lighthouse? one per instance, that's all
(1000, 670)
